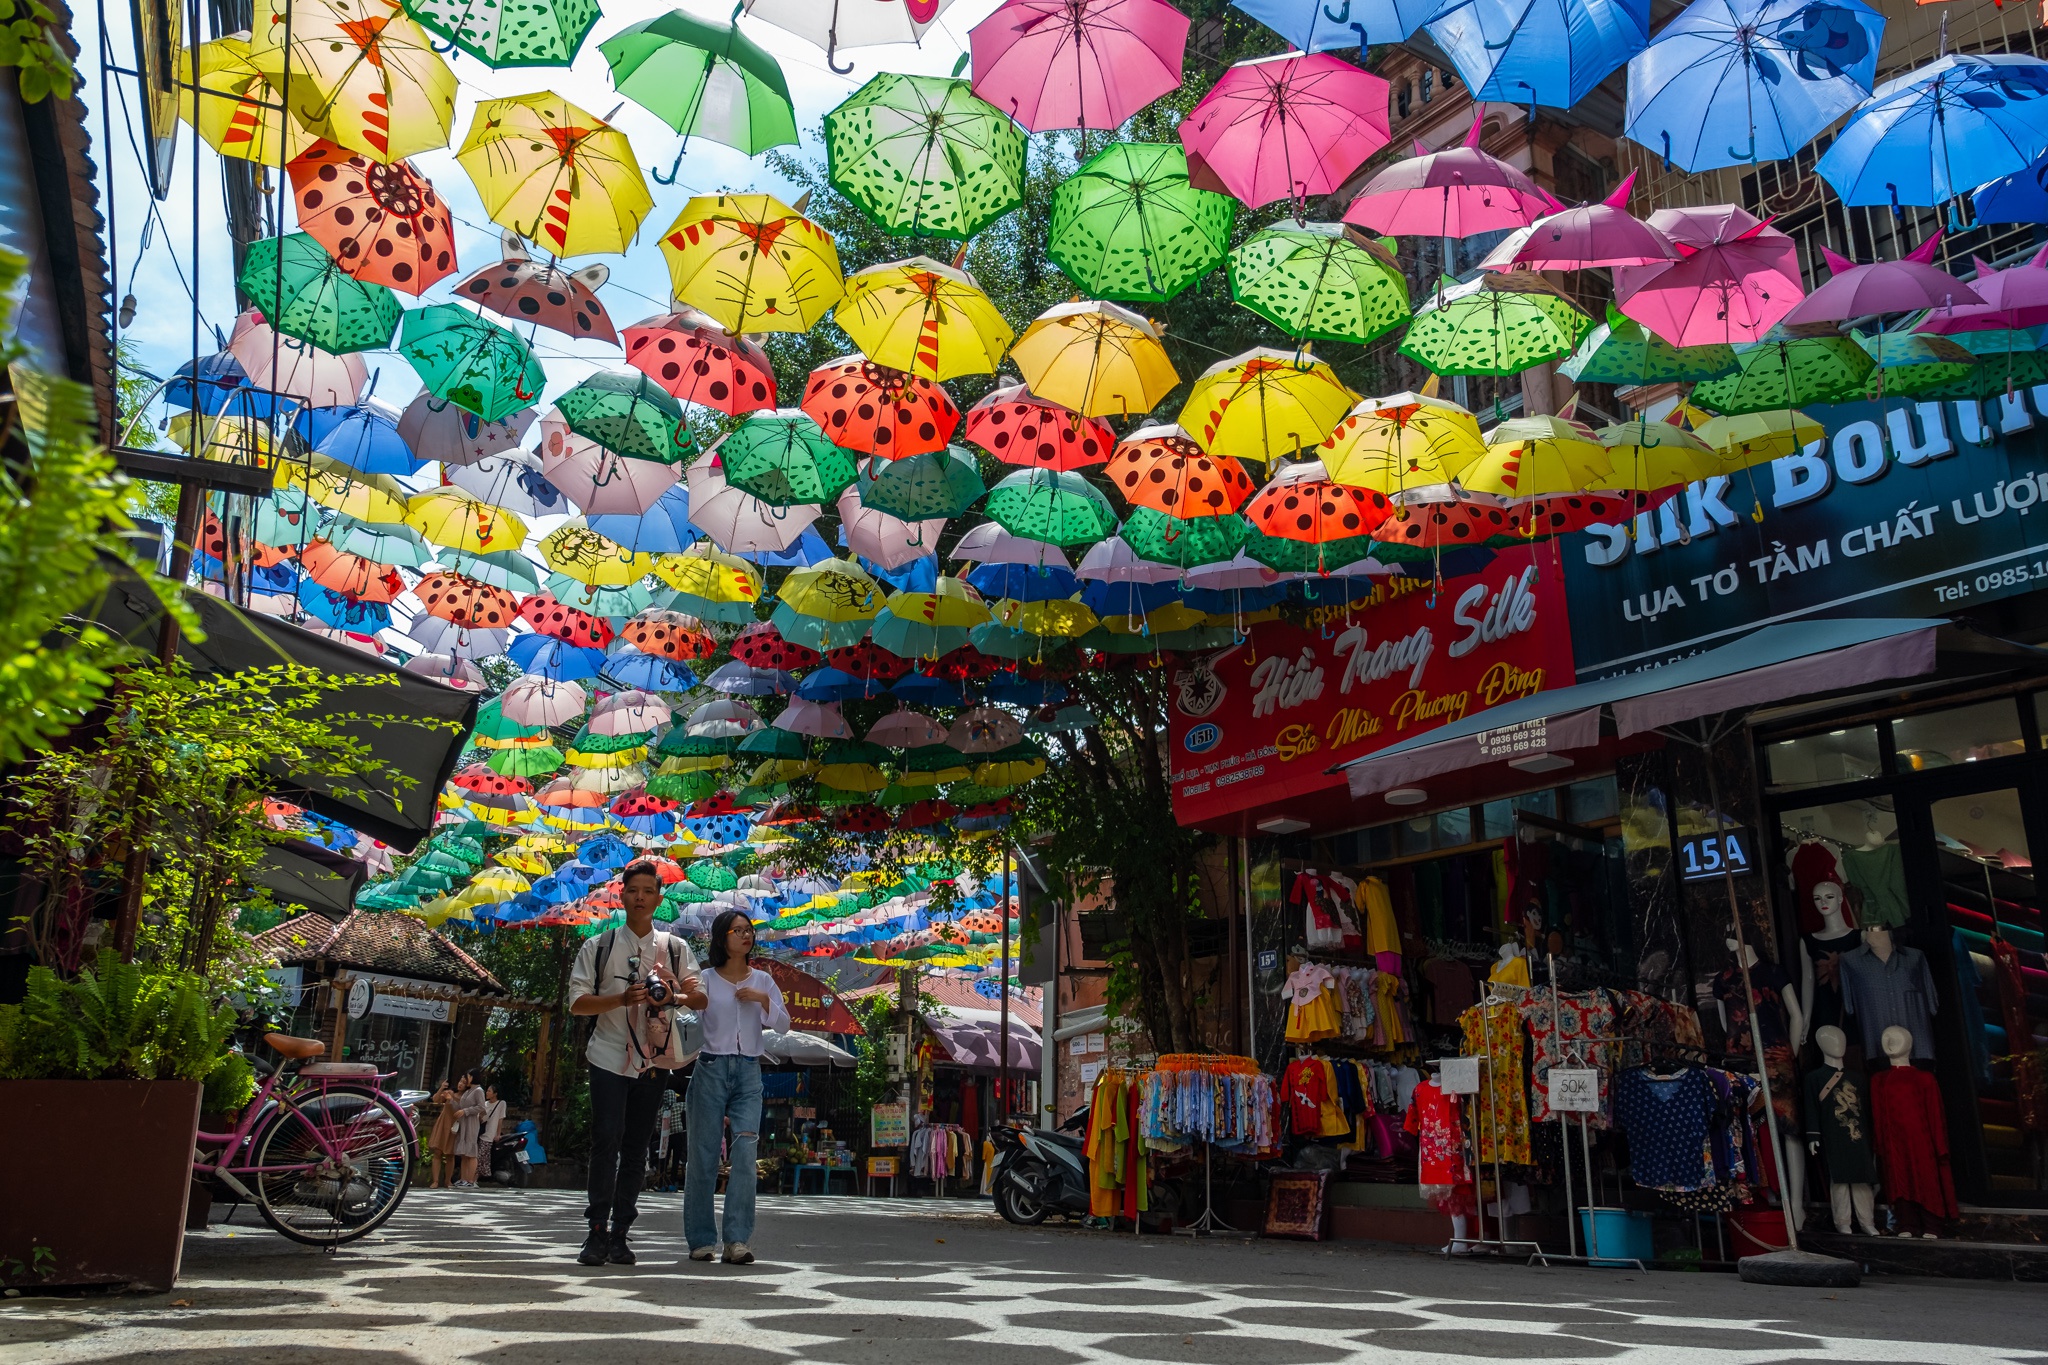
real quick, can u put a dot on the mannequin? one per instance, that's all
(1911, 1137)
(1442, 1164)
(1884, 983)
(1781, 1025)
(1513, 967)
(1820, 954)
(1838, 1125)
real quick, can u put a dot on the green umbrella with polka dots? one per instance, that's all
(628, 413)
(1054, 506)
(1129, 226)
(942, 483)
(924, 156)
(1319, 282)
(1498, 324)
(502, 33)
(784, 459)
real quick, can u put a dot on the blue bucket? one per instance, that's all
(1616, 1233)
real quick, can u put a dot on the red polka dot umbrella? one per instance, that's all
(698, 361)
(213, 542)
(638, 802)
(925, 814)
(791, 813)
(380, 223)
(718, 803)
(350, 574)
(478, 778)
(466, 601)
(1019, 429)
(879, 411)
(965, 664)
(670, 634)
(526, 290)
(1419, 530)
(1303, 522)
(552, 618)
(1162, 468)
(868, 662)
(761, 646)
(862, 819)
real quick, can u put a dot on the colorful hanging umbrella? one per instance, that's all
(710, 584)
(308, 296)
(348, 574)
(783, 459)
(1912, 282)
(550, 617)
(551, 172)
(367, 497)
(736, 520)
(1497, 324)
(1941, 130)
(465, 602)
(510, 32)
(1458, 192)
(1053, 506)
(380, 223)
(1052, 64)
(1127, 225)
(1265, 404)
(512, 480)
(239, 114)
(1738, 279)
(461, 523)
(1547, 52)
(1286, 127)
(470, 361)
(1301, 521)
(600, 481)
(629, 414)
(438, 430)
(1735, 82)
(1019, 429)
(944, 483)
(1622, 351)
(2013, 298)
(828, 605)
(1163, 468)
(698, 361)
(302, 372)
(1756, 437)
(362, 436)
(1650, 455)
(923, 156)
(1531, 457)
(929, 319)
(762, 646)
(1592, 236)
(1095, 359)
(752, 263)
(886, 541)
(1187, 543)
(574, 549)
(867, 661)
(1316, 283)
(924, 625)
(703, 79)
(877, 410)
(1788, 371)
(542, 293)
(362, 74)
(1353, 23)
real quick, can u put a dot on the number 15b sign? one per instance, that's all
(1704, 857)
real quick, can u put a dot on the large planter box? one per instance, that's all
(97, 1173)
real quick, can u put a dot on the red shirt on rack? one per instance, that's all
(1434, 1119)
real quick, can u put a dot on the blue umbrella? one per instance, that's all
(1127, 599)
(359, 435)
(1012, 690)
(281, 578)
(736, 679)
(555, 660)
(224, 387)
(1314, 26)
(807, 549)
(833, 684)
(1024, 582)
(919, 575)
(1942, 130)
(1539, 51)
(663, 529)
(604, 851)
(717, 829)
(1229, 601)
(628, 667)
(926, 690)
(341, 612)
(2018, 198)
(1734, 82)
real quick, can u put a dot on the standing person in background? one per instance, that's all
(469, 1116)
(441, 1142)
(494, 1118)
(741, 1001)
(631, 977)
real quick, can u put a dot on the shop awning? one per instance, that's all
(798, 1048)
(1775, 664)
(973, 1039)
(305, 874)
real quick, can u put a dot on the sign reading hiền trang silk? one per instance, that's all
(1263, 720)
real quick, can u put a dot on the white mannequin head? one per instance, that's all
(1747, 953)
(1897, 1043)
(1832, 1042)
(1828, 900)
(1510, 951)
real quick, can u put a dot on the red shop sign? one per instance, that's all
(1262, 721)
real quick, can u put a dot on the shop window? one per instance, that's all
(1817, 760)
(1454, 827)
(1592, 802)
(1378, 843)
(1404, 99)
(1428, 84)
(1416, 835)
(1967, 734)
(1496, 819)
(1542, 803)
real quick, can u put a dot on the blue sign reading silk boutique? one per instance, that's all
(1912, 509)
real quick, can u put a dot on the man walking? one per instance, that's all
(631, 977)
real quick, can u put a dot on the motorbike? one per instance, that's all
(1040, 1172)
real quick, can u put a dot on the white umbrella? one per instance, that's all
(904, 728)
(446, 668)
(819, 719)
(804, 1049)
(1241, 571)
(989, 543)
(438, 430)
(437, 636)
(885, 540)
(535, 700)
(513, 480)
(1113, 561)
(726, 718)
(294, 368)
(628, 713)
(836, 24)
(599, 481)
(738, 522)
(984, 730)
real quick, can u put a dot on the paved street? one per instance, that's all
(486, 1276)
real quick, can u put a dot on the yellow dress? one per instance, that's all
(1314, 1012)
(1513, 971)
(1498, 1029)
(1382, 934)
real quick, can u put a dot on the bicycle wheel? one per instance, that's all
(324, 1199)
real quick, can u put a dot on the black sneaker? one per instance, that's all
(621, 1254)
(596, 1248)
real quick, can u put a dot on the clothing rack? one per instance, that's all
(1217, 1064)
(1491, 1119)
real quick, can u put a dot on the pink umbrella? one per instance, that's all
(820, 720)
(883, 539)
(1457, 192)
(294, 368)
(989, 543)
(738, 522)
(2013, 299)
(598, 480)
(1912, 282)
(1595, 235)
(904, 728)
(1286, 127)
(1077, 63)
(1735, 279)
(1114, 561)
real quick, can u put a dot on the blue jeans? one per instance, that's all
(722, 1088)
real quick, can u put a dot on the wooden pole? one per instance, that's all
(1007, 1104)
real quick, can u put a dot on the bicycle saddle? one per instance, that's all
(297, 1048)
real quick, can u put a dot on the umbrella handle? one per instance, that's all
(1359, 29)
(1739, 153)
(443, 48)
(1667, 148)
(831, 50)
(674, 170)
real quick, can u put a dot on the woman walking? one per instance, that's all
(441, 1142)
(469, 1113)
(742, 1000)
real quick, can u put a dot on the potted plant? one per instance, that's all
(101, 1079)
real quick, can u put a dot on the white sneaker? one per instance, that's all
(738, 1253)
(702, 1253)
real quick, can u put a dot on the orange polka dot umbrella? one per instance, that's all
(1019, 429)
(466, 601)
(478, 778)
(552, 618)
(1303, 522)
(698, 361)
(385, 224)
(879, 411)
(1162, 468)
(670, 634)
(350, 574)
(761, 646)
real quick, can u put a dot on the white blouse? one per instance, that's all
(732, 1027)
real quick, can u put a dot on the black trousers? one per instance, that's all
(623, 1110)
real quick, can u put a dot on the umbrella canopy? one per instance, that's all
(988, 543)
(574, 549)
(1053, 506)
(1738, 278)
(1316, 283)
(511, 33)
(1186, 543)
(925, 625)
(630, 414)
(1053, 64)
(698, 361)
(307, 295)
(1735, 82)
(596, 479)
(819, 720)
(1302, 521)
(1323, 28)
(886, 541)
(1019, 429)
(752, 263)
(944, 483)
(348, 574)
(669, 634)
(1911, 363)
(929, 319)
(1401, 444)
(1114, 561)
(1650, 455)
(711, 584)
(556, 174)
(877, 410)
(538, 701)
(367, 497)
(466, 603)
(1787, 372)
(1498, 324)
(904, 728)
(307, 373)
(1530, 457)
(1458, 192)
(1755, 437)
(512, 480)
(2021, 197)
(924, 156)
(710, 80)
(2013, 298)
(1909, 283)
(462, 523)
(1094, 358)
(1594, 235)
(240, 115)
(526, 290)
(1287, 127)
(736, 520)
(469, 360)
(1622, 351)
(783, 459)
(1546, 52)
(362, 436)
(1128, 225)
(557, 621)
(381, 223)
(1265, 404)
(1941, 130)
(835, 24)
(362, 74)
(438, 430)
(1163, 468)
(762, 646)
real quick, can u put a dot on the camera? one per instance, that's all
(658, 993)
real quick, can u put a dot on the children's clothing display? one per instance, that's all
(941, 1151)
(1223, 1100)
(1326, 900)
(1911, 1136)
(1443, 1170)
(1315, 1010)
(1495, 1031)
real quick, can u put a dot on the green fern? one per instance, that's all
(117, 1022)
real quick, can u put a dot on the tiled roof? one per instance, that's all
(377, 941)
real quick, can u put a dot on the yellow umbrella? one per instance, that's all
(228, 437)
(1060, 618)
(367, 497)
(694, 763)
(927, 318)
(835, 590)
(591, 559)
(1096, 358)
(710, 573)
(952, 602)
(753, 263)
(242, 116)
(1264, 404)
(521, 859)
(363, 74)
(1757, 437)
(1401, 443)
(1529, 457)
(1008, 772)
(449, 518)
(555, 174)
(1652, 455)
(1169, 616)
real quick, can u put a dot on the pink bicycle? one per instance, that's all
(325, 1157)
